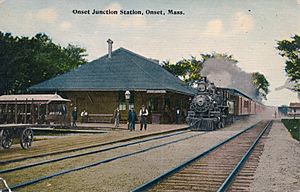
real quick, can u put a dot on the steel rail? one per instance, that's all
(158, 179)
(225, 185)
(30, 182)
(90, 146)
(87, 153)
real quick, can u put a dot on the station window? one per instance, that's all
(122, 100)
(167, 104)
(153, 104)
(131, 100)
(246, 104)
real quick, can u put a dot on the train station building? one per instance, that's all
(123, 79)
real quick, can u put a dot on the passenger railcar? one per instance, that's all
(214, 107)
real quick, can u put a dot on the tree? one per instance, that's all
(290, 50)
(27, 61)
(186, 69)
(261, 84)
(189, 70)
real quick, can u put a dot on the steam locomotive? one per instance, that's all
(214, 107)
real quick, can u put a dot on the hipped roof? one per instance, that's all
(125, 70)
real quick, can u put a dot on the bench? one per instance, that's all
(100, 118)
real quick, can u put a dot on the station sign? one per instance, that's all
(156, 91)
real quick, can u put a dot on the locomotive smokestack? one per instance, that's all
(110, 42)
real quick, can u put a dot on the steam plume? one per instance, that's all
(225, 73)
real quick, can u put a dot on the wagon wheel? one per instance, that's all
(5, 138)
(26, 138)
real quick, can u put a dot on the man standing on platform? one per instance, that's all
(64, 114)
(117, 117)
(74, 117)
(131, 119)
(143, 115)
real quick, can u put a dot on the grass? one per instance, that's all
(293, 126)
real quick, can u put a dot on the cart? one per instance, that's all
(23, 132)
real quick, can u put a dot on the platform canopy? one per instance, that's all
(124, 70)
(41, 98)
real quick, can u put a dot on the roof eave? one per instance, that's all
(104, 89)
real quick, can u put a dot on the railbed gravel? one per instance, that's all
(127, 173)
(279, 166)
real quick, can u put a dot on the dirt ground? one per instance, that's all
(278, 170)
(53, 144)
(126, 173)
(279, 166)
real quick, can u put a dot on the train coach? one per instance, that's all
(214, 107)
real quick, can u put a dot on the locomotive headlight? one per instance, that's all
(202, 87)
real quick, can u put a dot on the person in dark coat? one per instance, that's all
(74, 117)
(131, 119)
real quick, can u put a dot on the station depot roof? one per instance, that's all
(40, 98)
(125, 70)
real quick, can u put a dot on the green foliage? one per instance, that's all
(293, 126)
(27, 61)
(290, 50)
(261, 84)
(189, 69)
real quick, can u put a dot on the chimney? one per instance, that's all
(110, 42)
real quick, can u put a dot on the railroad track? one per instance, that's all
(215, 169)
(9, 170)
(5, 162)
(96, 163)
(245, 176)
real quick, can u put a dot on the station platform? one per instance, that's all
(150, 127)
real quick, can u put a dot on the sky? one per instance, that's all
(248, 30)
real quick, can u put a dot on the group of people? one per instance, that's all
(132, 118)
(83, 114)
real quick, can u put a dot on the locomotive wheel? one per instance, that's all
(26, 138)
(5, 138)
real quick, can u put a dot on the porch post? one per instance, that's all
(16, 113)
(25, 114)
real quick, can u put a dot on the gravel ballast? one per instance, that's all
(127, 173)
(279, 166)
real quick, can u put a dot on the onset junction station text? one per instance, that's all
(126, 12)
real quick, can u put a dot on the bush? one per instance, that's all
(293, 126)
